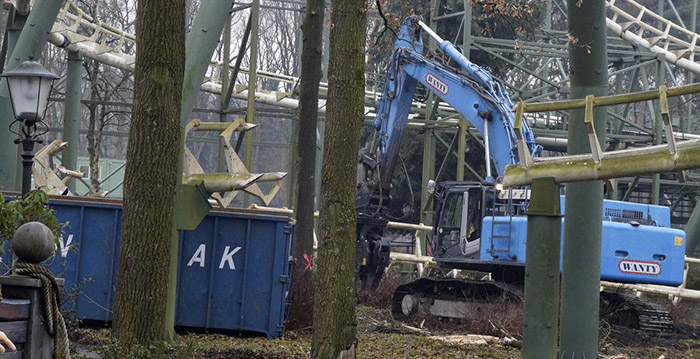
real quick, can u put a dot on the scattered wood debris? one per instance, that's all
(475, 339)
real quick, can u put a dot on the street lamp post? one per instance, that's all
(30, 85)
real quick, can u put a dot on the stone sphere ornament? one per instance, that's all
(33, 242)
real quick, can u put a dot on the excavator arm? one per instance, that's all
(469, 89)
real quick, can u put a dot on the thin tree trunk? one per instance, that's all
(334, 302)
(305, 161)
(95, 158)
(93, 145)
(149, 181)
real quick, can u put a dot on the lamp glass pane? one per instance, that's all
(24, 91)
(44, 93)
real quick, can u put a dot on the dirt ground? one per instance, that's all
(379, 336)
(495, 334)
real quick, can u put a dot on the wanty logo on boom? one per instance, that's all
(435, 83)
(639, 267)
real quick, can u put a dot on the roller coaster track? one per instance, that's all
(631, 21)
(76, 30)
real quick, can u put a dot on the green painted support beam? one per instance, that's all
(541, 312)
(613, 164)
(200, 44)
(252, 82)
(608, 165)
(197, 196)
(237, 66)
(326, 44)
(429, 146)
(73, 114)
(29, 44)
(461, 148)
(685, 125)
(428, 173)
(15, 24)
(602, 100)
(588, 60)
(692, 231)
(225, 73)
(467, 28)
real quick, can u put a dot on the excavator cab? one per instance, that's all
(460, 207)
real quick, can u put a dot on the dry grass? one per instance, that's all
(381, 296)
(379, 336)
(301, 314)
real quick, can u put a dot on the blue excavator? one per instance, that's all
(477, 225)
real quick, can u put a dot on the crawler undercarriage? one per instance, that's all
(472, 299)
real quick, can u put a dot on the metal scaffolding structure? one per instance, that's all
(647, 47)
(645, 50)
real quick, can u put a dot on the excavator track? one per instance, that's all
(466, 299)
(633, 312)
(451, 298)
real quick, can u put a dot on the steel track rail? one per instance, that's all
(76, 30)
(676, 43)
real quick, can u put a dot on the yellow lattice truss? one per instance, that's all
(225, 186)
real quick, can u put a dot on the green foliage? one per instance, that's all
(382, 31)
(517, 20)
(112, 350)
(102, 343)
(69, 297)
(32, 207)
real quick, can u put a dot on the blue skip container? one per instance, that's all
(234, 271)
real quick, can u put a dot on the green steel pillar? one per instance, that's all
(582, 230)
(200, 44)
(541, 313)
(73, 114)
(225, 73)
(467, 28)
(326, 44)
(252, 82)
(692, 231)
(461, 147)
(2, 23)
(463, 124)
(428, 174)
(658, 127)
(15, 24)
(685, 126)
(653, 107)
(30, 43)
(614, 192)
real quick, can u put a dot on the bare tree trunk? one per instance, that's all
(149, 181)
(305, 161)
(97, 152)
(334, 302)
(93, 141)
